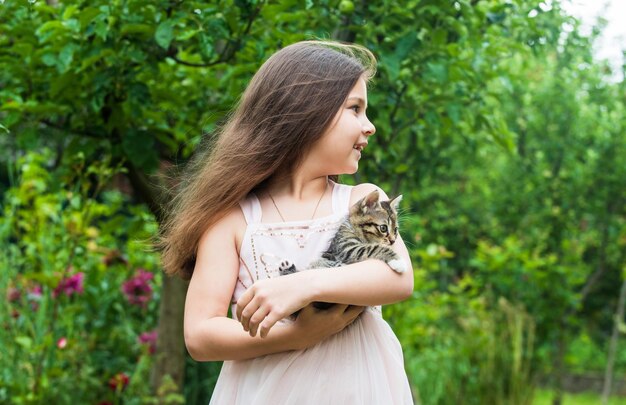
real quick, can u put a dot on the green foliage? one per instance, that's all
(61, 225)
(538, 219)
(544, 397)
(461, 346)
(129, 78)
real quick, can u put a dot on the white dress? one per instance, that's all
(362, 364)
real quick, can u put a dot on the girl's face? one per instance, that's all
(338, 151)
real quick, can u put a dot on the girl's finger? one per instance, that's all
(354, 309)
(308, 309)
(339, 308)
(268, 322)
(244, 300)
(248, 312)
(353, 313)
(256, 319)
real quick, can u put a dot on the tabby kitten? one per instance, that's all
(368, 232)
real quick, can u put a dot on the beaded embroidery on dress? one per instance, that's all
(362, 364)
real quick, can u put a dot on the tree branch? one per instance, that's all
(62, 127)
(147, 191)
(229, 50)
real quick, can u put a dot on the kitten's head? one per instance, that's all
(375, 221)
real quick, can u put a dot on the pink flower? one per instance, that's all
(118, 382)
(13, 294)
(70, 285)
(34, 296)
(137, 289)
(62, 343)
(150, 339)
(34, 293)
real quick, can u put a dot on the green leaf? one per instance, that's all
(49, 59)
(405, 45)
(87, 16)
(46, 27)
(206, 45)
(138, 146)
(164, 34)
(142, 29)
(24, 341)
(402, 168)
(454, 112)
(73, 24)
(187, 34)
(91, 60)
(101, 27)
(440, 37)
(438, 71)
(392, 63)
(69, 12)
(66, 56)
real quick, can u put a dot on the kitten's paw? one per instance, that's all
(286, 267)
(398, 265)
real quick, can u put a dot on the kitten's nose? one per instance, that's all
(391, 240)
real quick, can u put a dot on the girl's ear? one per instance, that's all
(395, 203)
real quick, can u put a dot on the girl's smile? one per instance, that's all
(359, 148)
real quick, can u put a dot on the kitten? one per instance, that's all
(368, 232)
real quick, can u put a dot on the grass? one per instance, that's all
(544, 397)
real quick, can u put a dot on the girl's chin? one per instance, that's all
(353, 170)
(350, 168)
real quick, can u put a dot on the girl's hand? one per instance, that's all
(314, 325)
(268, 301)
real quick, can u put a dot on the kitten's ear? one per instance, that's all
(395, 203)
(369, 201)
(365, 203)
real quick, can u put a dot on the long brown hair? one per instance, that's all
(288, 105)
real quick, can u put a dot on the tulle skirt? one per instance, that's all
(362, 364)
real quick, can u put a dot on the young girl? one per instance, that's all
(267, 193)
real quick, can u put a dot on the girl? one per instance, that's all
(267, 193)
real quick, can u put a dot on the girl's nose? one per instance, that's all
(368, 128)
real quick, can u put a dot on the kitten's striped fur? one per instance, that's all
(368, 232)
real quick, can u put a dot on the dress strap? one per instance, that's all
(341, 198)
(251, 208)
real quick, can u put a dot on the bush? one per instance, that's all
(462, 344)
(81, 291)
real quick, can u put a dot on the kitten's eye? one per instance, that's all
(383, 228)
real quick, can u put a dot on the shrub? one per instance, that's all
(71, 332)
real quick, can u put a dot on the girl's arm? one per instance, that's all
(369, 283)
(211, 335)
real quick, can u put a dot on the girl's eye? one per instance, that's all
(356, 108)
(383, 228)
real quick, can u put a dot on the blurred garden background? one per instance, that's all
(494, 121)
